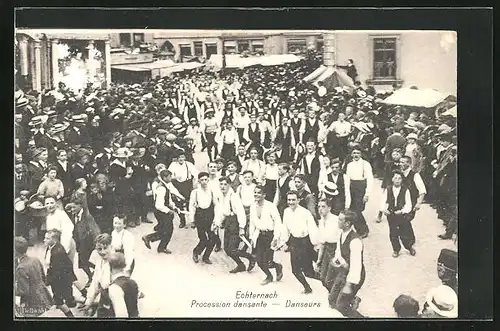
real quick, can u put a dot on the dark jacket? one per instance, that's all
(30, 286)
(60, 271)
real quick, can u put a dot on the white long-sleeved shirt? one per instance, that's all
(246, 194)
(201, 198)
(265, 218)
(60, 220)
(299, 223)
(355, 260)
(159, 195)
(124, 240)
(257, 166)
(172, 189)
(395, 191)
(342, 129)
(183, 172)
(360, 170)
(328, 228)
(241, 122)
(230, 205)
(417, 179)
(228, 137)
(100, 279)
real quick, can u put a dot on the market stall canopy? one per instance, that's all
(330, 77)
(450, 112)
(427, 98)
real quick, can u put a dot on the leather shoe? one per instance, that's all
(356, 302)
(166, 251)
(266, 281)
(251, 265)
(307, 290)
(444, 236)
(239, 268)
(217, 249)
(206, 261)
(181, 226)
(146, 242)
(395, 254)
(195, 258)
(412, 251)
(146, 220)
(279, 272)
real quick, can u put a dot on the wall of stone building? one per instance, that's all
(424, 59)
(177, 41)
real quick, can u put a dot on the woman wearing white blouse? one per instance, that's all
(123, 241)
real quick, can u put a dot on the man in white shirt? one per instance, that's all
(396, 204)
(202, 208)
(350, 270)
(301, 235)
(164, 214)
(184, 177)
(230, 215)
(329, 233)
(213, 184)
(255, 165)
(360, 175)
(265, 228)
(58, 219)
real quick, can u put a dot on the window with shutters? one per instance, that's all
(185, 50)
(198, 48)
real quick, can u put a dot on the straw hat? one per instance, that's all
(122, 152)
(443, 301)
(331, 189)
(59, 127)
(412, 136)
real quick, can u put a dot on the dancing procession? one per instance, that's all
(294, 176)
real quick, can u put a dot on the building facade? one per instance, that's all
(48, 57)
(426, 59)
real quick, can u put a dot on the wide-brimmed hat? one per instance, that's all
(443, 301)
(122, 152)
(58, 127)
(81, 118)
(19, 204)
(331, 189)
(38, 120)
(37, 152)
(22, 102)
(412, 136)
(209, 111)
(171, 137)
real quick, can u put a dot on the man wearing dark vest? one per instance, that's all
(232, 175)
(350, 269)
(342, 200)
(254, 134)
(306, 198)
(310, 166)
(396, 204)
(286, 139)
(413, 181)
(283, 186)
(164, 214)
(295, 124)
(123, 292)
(240, 157)
(310, 127)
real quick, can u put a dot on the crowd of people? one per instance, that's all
(291, 167)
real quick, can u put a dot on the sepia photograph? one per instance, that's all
(180, 173)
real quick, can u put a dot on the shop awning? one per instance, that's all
(427, 98)
(130, 67)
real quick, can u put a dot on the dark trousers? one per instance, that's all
(232, 241)
(263, 252)
(400, 229)
(342, 301)
(327, 273)
(139, 207)
(163, 230)
(358, 190)
(211, 146)
(228, 151)
(203, 220)
(63, 294)
(301, 258)
(240, 134)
